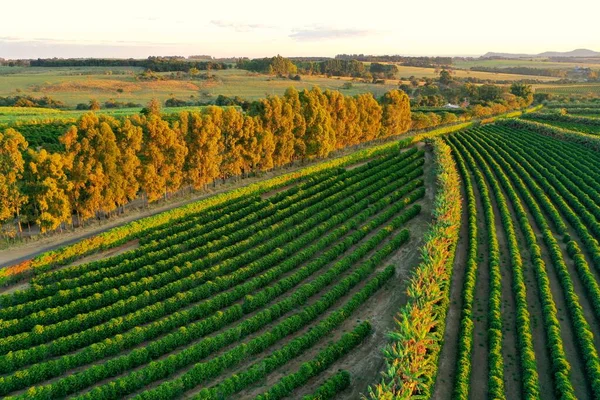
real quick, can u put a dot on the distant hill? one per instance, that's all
(547, 54)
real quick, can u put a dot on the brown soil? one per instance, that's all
(115, 251)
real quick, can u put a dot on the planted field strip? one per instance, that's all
(211, 305)
(546, 192)
(577, 123)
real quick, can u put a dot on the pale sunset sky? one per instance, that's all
(258, 28)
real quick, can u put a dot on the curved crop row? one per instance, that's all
(195, 243)
(198, 292)
(494, 331)
(331, 387)
(465, 335)
(194, 273)
(214, 366)
(148, 332)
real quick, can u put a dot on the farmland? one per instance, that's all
(584, 89)
(576, 123)
(528, 297)
(250, 297)
(362, 254)
(74, 85)
(531, 63)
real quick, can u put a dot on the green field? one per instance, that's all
(419, 72)
(531, 63)
(34, 115)
(592, 89)
(73, 85)
(79, 85)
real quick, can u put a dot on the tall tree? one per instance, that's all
(266, 150)
(129, 142)
(48, 188)
(12, 146)
(292, 98)
(277, 116)
(203, 140)
(162, 155)
(91, 159)
(338, 113)
(395, 113)
(319, 137)
(369, 117)
(232, 162)
(249, 142)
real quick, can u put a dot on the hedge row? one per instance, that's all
(412, 357)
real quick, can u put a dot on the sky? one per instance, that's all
(261, 28)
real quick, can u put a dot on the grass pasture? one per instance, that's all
(78, 85)
(33, 115)
(580, 89)
(459, 73)
(530, 63)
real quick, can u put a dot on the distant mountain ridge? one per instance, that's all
(573, 53)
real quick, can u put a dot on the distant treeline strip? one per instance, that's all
(159, 64)
(409, 61)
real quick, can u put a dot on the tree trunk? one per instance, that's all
(19, 224)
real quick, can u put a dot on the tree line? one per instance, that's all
(426, 62)
(282, 66)
(108, 162)
(30, 101)
(158, 64)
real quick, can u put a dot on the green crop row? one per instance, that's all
(465, 336)
(176, 319)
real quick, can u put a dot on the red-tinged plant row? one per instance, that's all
(138, 229)
(148, 263)
(494, 329)
(262, 298)
(411, 358)
(331, 387)
(248, 263)
(195, 273)
(465, 336)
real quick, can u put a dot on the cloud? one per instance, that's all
(324, 33)
(240, 26)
